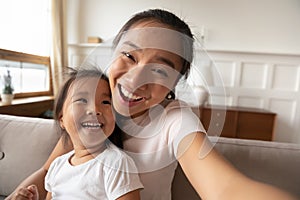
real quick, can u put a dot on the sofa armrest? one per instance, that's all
(25, 143)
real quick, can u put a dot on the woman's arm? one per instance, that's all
(213, 177)
(37, 178)
(133, 195)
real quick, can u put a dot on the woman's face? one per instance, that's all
(87, 114)
(146, 67)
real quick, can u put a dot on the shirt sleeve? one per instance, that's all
(121, 177)
(49, 177)
(182, 122)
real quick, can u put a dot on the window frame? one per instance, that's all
(25, 57)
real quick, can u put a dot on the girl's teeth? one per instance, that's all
(91, 125)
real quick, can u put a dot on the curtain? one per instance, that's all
(59, 51)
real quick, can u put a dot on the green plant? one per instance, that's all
(8, 88)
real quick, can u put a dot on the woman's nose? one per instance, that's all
(137, 77)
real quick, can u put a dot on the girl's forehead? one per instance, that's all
(89, 83)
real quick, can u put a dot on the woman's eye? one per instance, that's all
(128, 55)
(160, 71)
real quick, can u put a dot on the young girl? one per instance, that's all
(153, 50)
(95, 169)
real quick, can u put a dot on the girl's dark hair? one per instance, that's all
(171, 20)
(70, 76)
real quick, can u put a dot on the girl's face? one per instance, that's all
(87, 114)
(144, 69)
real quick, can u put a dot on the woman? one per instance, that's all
(153, 51)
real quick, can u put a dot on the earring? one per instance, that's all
(99, 113)
(170, 96)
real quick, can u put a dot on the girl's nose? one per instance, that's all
(93, 112)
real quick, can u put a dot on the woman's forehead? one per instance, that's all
(161, 38)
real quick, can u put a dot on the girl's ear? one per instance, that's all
(61, 121)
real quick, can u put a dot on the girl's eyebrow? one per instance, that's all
(159, 58)
(74, 94)
(106, 94)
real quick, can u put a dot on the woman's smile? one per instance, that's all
(128, 96)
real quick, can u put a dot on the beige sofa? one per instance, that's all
(25, 144)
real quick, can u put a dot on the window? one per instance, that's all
(30, 73)
(25, 38)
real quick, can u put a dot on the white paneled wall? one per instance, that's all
(260, 80)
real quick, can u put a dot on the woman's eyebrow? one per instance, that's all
(166, 61)
(132, 45)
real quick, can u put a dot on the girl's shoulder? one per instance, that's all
(115, 157)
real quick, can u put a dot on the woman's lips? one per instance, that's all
(129, 98)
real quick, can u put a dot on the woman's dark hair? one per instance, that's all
(171, 20)
(70, 76)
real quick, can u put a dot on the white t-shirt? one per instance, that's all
(153, 143)
(104, 177)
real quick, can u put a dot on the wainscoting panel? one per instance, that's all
(253, 75)
(264, 80)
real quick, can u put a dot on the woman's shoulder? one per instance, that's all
(177, 104)
(178, 107)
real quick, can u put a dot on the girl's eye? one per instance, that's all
(128, 55)
(160, 71)
(82, 100)
(106, 102)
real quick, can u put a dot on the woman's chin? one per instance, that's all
(132, 113)
(122, 110)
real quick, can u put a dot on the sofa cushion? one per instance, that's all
(25, 144)
(275, 163)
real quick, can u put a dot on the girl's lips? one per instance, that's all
(129, 98)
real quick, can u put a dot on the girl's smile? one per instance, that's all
(88, 117)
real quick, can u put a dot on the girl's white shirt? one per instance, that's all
(104, 177)
(152, 142)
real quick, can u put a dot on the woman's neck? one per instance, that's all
(142, 118)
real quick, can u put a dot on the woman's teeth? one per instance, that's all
(129, 95)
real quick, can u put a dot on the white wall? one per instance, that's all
(237, 25)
